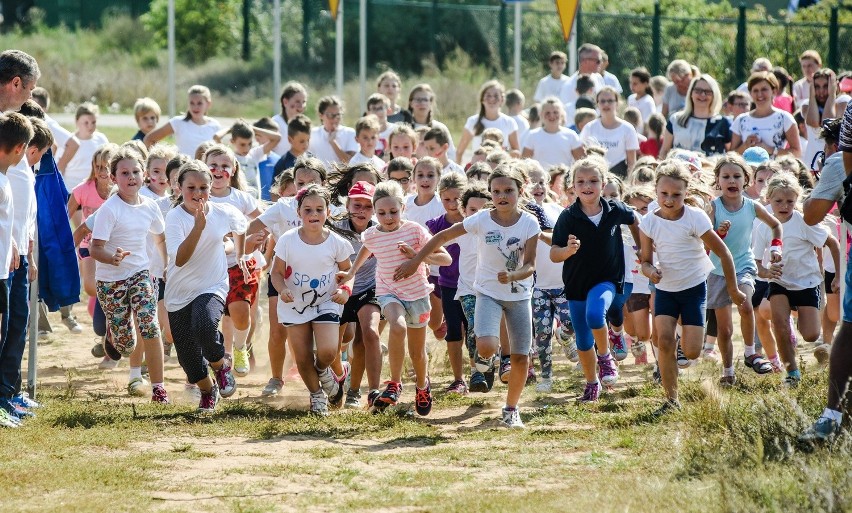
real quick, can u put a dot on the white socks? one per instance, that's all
(240, 338)
(135, 372)
(833, 415)
(748, 350)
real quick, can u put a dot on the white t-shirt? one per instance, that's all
(568, 93)
(7, 215)
(422, 213)
(548, 274)
(206, 271)
(549, 86)
(552, 149)
(680, 251)
(157, 265)
(501, 248)
(79, 167)
(284, 144)
(467, 265)
(504, 123)
(452, 167)
(126, 226)
(281, 217)
(645, 105)
(801, 268)
(22, 182)
(772, 129)
(801, 91)
(242, 201)
(612, 81)
(249, 164)
(377, 163)
(60, 134)
(523, 127)
(311, 280)
(189, 136)
(617, 141)
(322, 149)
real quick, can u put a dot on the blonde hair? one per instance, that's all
(237, 180)
(783, 181)
(145, 105)
(389, 189)
(675, 169)
(197, 90)
(452, 181)
(594, 163)
(104, 155)
(160, 151)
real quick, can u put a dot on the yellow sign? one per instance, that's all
(332, 4)
(567, 10)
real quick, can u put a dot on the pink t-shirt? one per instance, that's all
(384, 247)
(86, 195)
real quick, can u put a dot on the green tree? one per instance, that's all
(203, 28)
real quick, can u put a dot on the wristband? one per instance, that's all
(776, 243)
(721, 235)
(346, 288)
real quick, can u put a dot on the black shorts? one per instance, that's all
(454, 315)
(804, 297)
(436, 291)
(355, 303)
(161, 288)
(761, 291)
(326, 318)
(4, 299)
(829, 277)
(270, 288)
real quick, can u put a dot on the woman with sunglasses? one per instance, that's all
(699, 127)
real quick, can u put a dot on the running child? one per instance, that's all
(76, 161)
(367, 136)
(402, 142)
(294, 98)
(390, 85)
(191, 129)
(491, 99)
(553, 144)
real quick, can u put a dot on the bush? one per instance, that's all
(203, 28)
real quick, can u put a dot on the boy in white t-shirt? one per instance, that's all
(331, 142)
(551, 84)
(436, 142)
(379, 105)
(367, 136)
(248, 155)
(515, 101)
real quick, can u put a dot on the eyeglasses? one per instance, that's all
(605, 102)
(597, 61)
(401, 181)
(742, 105)
(421, 100)
(334, 116)
(703, 92)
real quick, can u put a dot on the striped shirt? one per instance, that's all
(384, 246)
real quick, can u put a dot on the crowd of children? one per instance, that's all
(566, 221)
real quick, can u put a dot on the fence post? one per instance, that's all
(579, 24)
(433, 29)
(741, 44)
(306, 28)
(833, 51)
(504, 36)
(246, 29)
(655, 40)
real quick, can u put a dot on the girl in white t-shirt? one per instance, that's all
(679, 270)
(310, 298)
(193, 128)
(124, 283)
(76, 161)
(614, 134)
(643, 96)
(228, 187)
(404, 300)
(294, 98)
(198, 281)
(491, 98)
(795, 281)
(553, 144)
(638, 320)
(421, 104)
(506, 240)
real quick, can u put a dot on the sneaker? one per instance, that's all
(372, 395)
(489, 375)
(457, 387)
(159, 395)
(192, 393)
(637, 348)
(823, 430)
(23, 400)
(273, 387)
(70, 322)
(107, 363)
(225, 378)
(167, 351)
(423, 399)
(98, 348)
(821, 353)
(208, 401)
(565, 335)
(319, 403)
(241, 363)
(7, 420)
(727, 381)
(682, 360)
(710, 354)
(512, 419)
(136, 387)
(545, 385)
(389, 397)
(353, 400)
(668, 407)
(483, 364)
(791, 381)
(656, 376)
(328, 381)
(477, 382)
(531, 379)
(619, 348)
(607, 370)
(505, 369)
(591, 393)
(337, 400)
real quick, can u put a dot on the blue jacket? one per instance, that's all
(58, 274)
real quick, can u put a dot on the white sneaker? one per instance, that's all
(107, 363)
(545, 385)
(272, 388)
(512, 419)
(319, 403)
(328, 382)
(138, 387)
(71, 323)
(192, 393)
(241, 362)
(569, 346)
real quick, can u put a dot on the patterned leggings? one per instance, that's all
(195, 331)
(468, 303)
(121, 299)
(547, 305)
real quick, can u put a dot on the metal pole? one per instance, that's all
(171, 79)
(276, 53)
(739, 70)
(32, 358)
(833, 48)
(362, 50)
(572, 48)
(655, 40)
(518, 45)
(338, 49)
(246, 27)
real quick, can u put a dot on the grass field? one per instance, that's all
(92, 448)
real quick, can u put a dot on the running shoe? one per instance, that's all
(159, 395)
(822, 353)
(505, 369)
(336, 401)
(591, 393)
(70, 322)
(457, 387)
(390, 397)
(192, 393)
(273, 387)
(319, 403)
(710, 354)
(137, 387)
(328, 381)
(545, 385)
(477, 382)
(23, 400)
(209, 400)
(225, 378)
(98, 348)
(667, 407)
(792, 381)
(619, 347)
(512, 419)
(107, 363)
(7, 420)
(372, 395)
(241, 362)
(423, 399)
(682, 360)
(607, 370)
(565, 335)
(823, 430)
(727, 381)
(353, 400)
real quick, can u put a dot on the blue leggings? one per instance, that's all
(615, 313)
(590, 314)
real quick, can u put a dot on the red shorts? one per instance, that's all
(240, 289)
